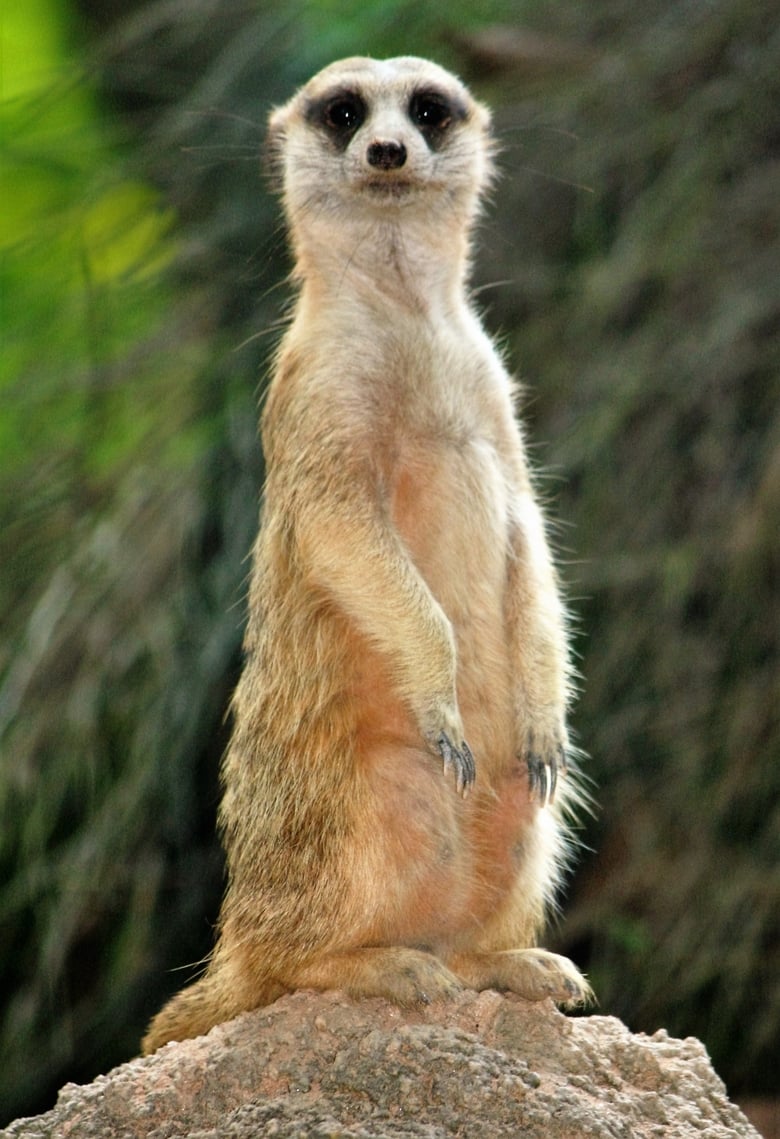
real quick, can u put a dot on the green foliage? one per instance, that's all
(101, 433)
(628, 261)
(388, 27)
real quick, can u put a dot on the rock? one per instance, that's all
(324, 1066)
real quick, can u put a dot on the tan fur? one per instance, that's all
(402, 597)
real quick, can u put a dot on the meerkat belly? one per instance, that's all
(443, 863)
(418, 870)
(435, 867)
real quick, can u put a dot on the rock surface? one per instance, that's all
(484, 1065)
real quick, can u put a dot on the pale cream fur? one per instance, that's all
(402, 599)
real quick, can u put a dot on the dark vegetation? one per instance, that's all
(629, 261)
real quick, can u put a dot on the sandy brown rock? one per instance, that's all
(483, 1065)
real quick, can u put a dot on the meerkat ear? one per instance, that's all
(277, 124)
(483, 116)
(274, 139)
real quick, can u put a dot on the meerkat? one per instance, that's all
(396, 792)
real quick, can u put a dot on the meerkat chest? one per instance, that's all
(447, 476)
(449, 502)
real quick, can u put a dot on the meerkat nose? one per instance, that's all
(387, 155)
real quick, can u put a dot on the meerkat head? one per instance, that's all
(382, 139)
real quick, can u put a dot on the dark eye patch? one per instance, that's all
(340, 114)
(433, 112)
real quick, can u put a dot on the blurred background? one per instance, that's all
(628, 262)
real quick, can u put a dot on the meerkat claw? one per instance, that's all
(553, 777)
(461, 759)
(537, 779)
(542, 779)
(470, 767)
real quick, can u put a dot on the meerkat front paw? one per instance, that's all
(460, 760)
(545, 756)
(442, 730)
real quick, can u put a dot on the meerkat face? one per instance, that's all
(371, 135)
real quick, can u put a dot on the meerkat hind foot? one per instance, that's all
(405, 976)
(531, 973)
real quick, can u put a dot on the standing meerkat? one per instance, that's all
(402, 600)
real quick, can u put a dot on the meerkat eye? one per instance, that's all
(344, 114)
(430, 112)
